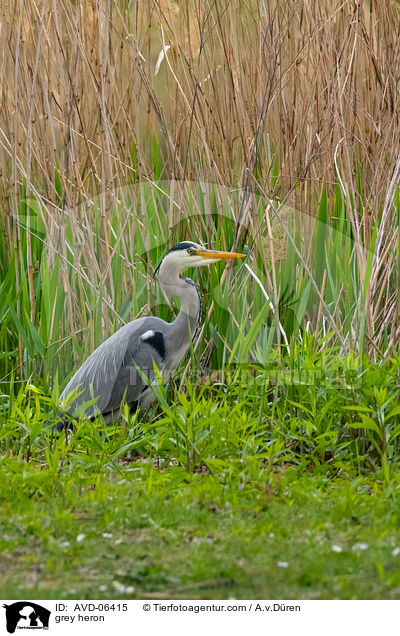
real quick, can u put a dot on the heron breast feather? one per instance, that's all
(156, 340)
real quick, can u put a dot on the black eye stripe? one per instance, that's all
(182, 246)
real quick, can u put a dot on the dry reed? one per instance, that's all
(297, 93)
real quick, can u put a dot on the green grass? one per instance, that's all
(310, 406)
(279, 482)
(150, 533)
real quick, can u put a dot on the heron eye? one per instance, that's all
(190, 251)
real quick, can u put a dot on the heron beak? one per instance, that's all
(218, 255)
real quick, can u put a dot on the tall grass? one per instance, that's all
(80, 297)
(311, 408)
(282, 105)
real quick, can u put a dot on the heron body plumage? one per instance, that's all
(110, 376)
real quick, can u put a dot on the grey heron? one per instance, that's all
(110, 374)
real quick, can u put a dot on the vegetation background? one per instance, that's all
(270, 466)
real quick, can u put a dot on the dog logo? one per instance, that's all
(26, 615)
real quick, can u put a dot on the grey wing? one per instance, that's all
(143, 350)
(110, 371)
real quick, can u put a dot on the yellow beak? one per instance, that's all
(218, 255)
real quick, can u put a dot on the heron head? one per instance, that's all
(189, 254)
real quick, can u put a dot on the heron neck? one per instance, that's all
(188, 319)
